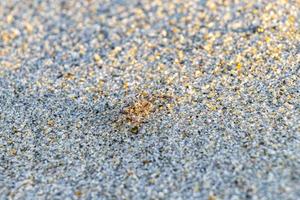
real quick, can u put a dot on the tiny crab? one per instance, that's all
(139, 111)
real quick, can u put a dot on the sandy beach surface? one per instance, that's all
(150, 99)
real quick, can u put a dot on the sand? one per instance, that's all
(126, 99)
